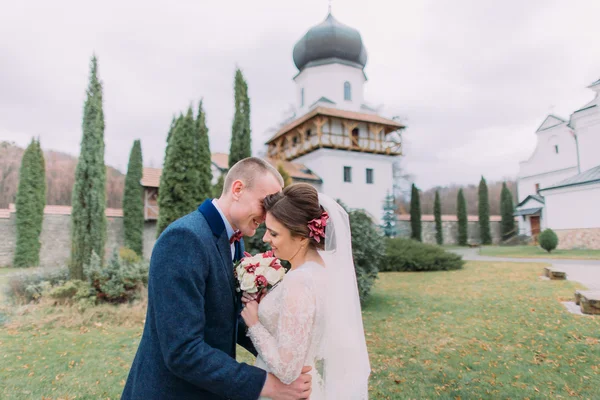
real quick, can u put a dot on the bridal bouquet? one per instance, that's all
(255, 273)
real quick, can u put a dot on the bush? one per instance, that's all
(548, 240)
(119, 281)
(409, 255)
(28, 287)
(129, 256)
(72, 291)
(367, 244)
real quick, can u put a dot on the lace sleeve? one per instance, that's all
(286, 353)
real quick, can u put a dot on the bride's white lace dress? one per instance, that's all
(289, 334)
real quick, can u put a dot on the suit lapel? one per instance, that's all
(217, 227)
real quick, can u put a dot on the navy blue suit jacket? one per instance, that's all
(187, 350)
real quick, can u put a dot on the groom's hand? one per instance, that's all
(300, 389)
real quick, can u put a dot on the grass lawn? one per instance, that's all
(537, 252)
(492, 330)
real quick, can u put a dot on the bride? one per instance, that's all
(313, 316)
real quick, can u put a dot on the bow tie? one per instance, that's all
(237, 235)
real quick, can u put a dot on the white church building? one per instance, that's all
(335, 134)
(559, 185)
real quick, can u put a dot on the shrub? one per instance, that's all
(129, 256)
(119, 280)
(28, 287)
(72, 291)
(409, 255)
(367, 245)
(548, 240)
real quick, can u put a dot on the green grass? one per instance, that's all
(538, 252)
(492, 330)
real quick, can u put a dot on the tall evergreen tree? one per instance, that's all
(30, 202)
(389, 216)
(415, 214)
(461, 212)
(88, 228)
(437, 213)
(203, 156)
(171, 130)
(179, 192)
(287, 179)
(133, 202)
(217, 188)
(506, 210)
(484, 213)
(241, 143)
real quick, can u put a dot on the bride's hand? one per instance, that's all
(250, 313)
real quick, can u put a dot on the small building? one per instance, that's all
(336, 134)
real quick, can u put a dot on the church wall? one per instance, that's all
(573, 207)
(526, 186)
(587, 126)
(329, 165)
(328, 81)
(544, 158)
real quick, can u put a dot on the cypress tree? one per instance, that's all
(171, 130)
(203, 156)
(179, 193)
(484, 213)
(30, 202)
(437, 213)
(241, 144)
(415, 214)
(133, 203)
(461, 212)
(506, 210)
(88, 228)
(218, 187)
(389, 216)
(287, 179)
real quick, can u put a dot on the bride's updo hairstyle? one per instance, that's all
(294, 207)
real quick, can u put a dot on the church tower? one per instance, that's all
(337, 135)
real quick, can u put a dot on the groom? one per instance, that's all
(187, 350)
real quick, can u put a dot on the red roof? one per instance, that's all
(151, 177)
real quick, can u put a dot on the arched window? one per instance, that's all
(347, 91)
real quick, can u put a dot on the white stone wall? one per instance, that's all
(328, 81)
(587, 126)
(526, 185)
(546, 166)
(573, 207)
(329, 165)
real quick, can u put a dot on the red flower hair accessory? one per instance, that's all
(316, 227)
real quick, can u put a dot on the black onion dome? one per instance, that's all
(330, 39)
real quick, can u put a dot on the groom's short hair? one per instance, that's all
(247, 170)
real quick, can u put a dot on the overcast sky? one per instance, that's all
(472, 79)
